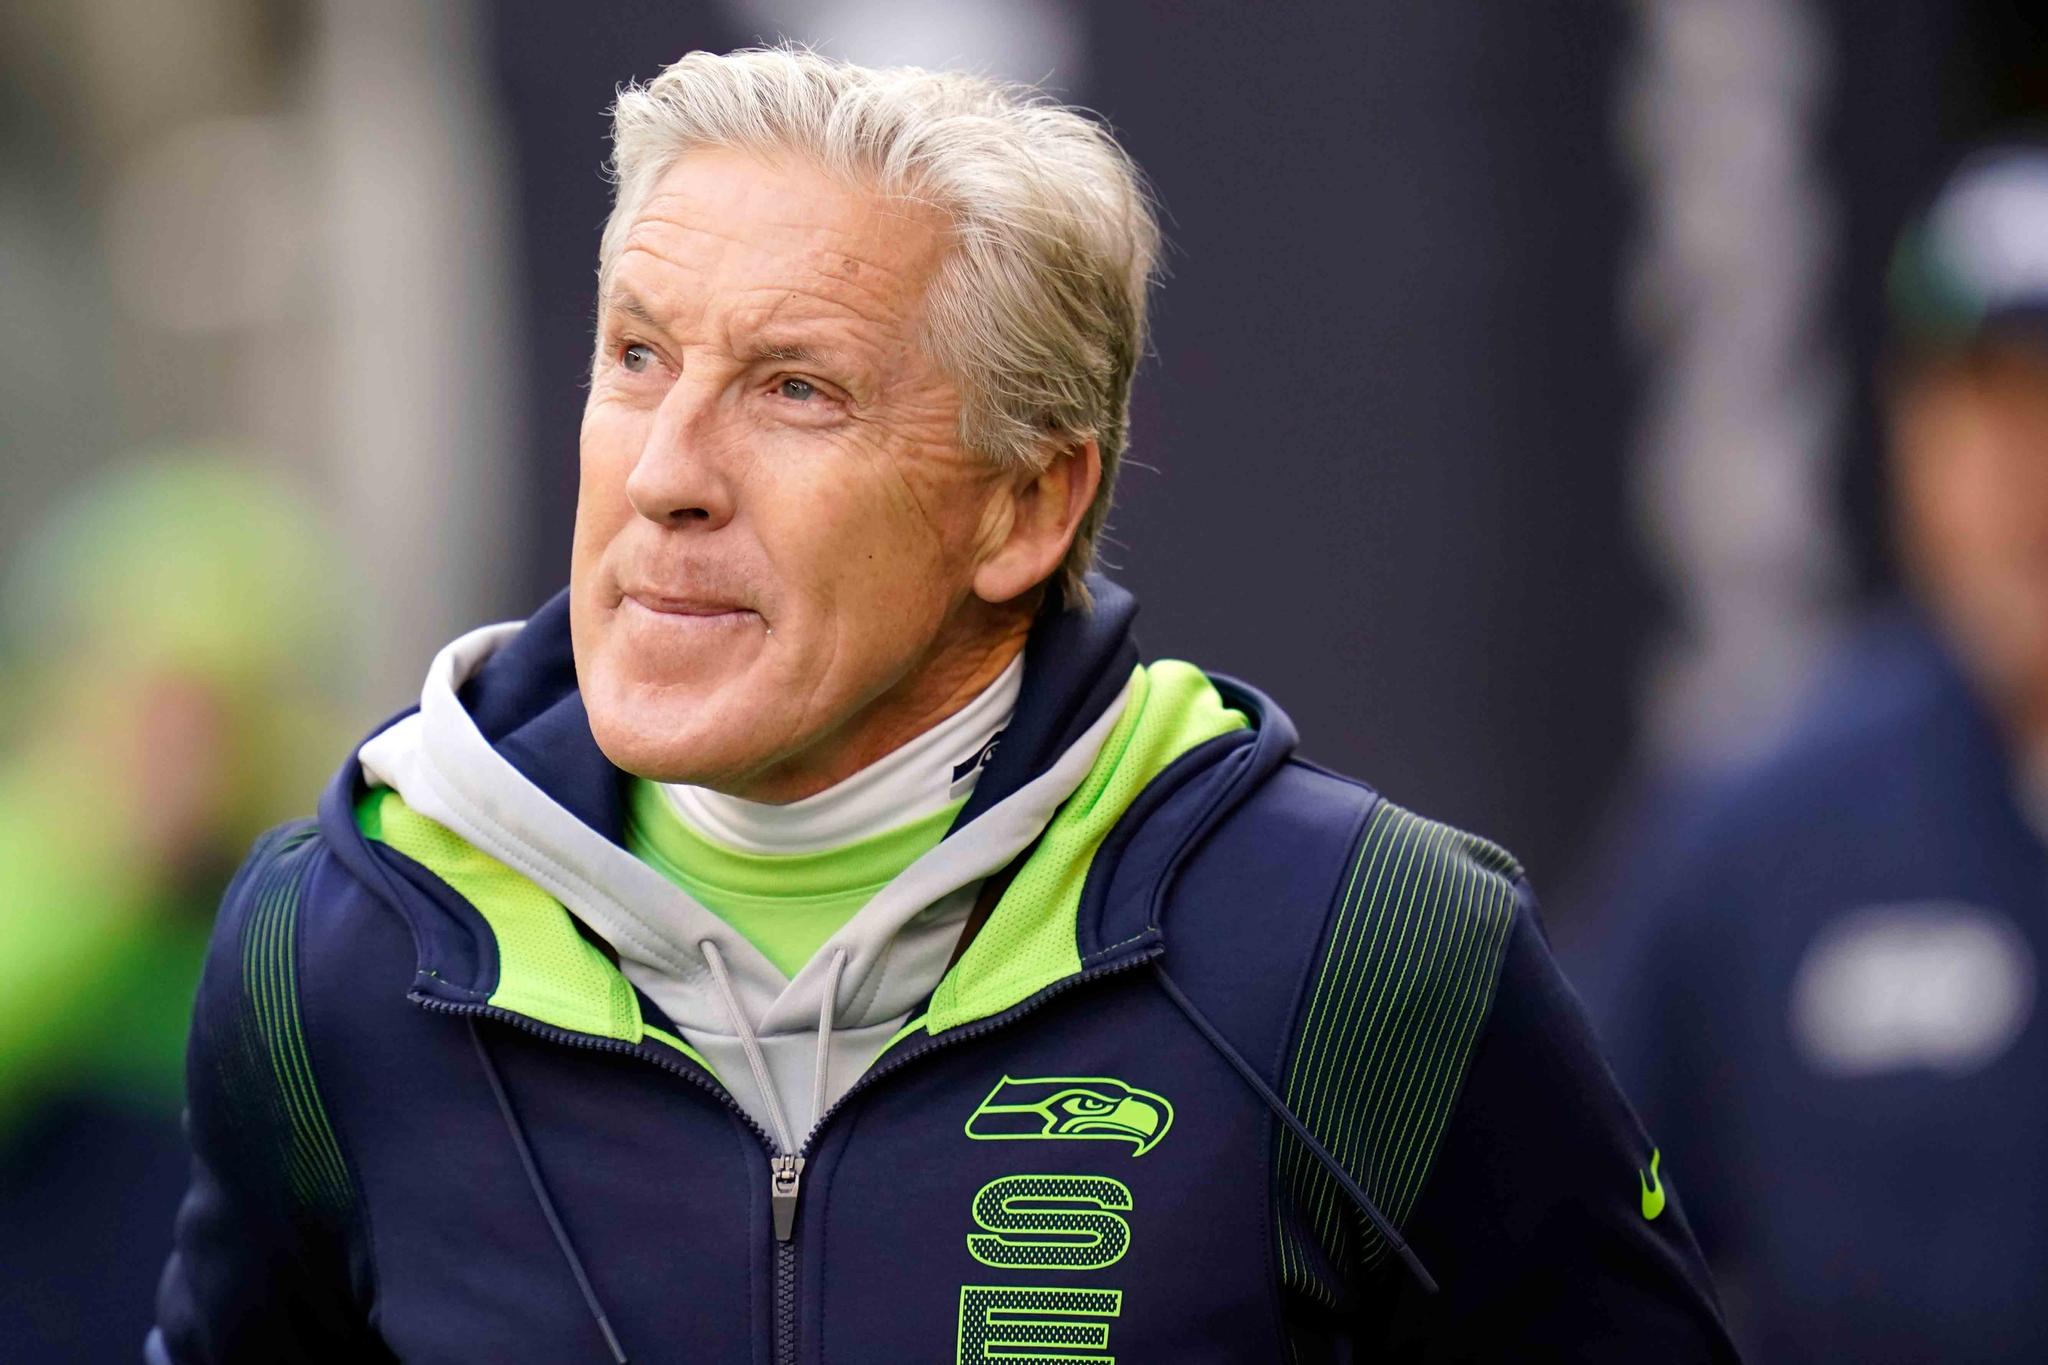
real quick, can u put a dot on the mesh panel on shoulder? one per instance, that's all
(546, 969)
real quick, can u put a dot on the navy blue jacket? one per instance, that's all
(1311, 1090)
(1819, 982)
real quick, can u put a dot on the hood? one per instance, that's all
(524, 818)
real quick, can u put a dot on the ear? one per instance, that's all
(1043, 509)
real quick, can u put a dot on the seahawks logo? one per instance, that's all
(1080, 1107)
(975, 761)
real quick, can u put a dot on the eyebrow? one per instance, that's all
(629, 303)
(792, 352)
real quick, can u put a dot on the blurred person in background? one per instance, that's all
(763, 951)
(1820, 975)
(166, 649)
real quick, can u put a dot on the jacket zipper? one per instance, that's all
(784, 1172)
(785, 1169)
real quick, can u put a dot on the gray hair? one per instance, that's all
(1038, 310)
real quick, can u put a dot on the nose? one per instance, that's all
(681, 478)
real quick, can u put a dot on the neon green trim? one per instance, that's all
(370, 818)
(1653, 1188)
(915, 1026)
(788, 904)
(546, 969)
(1029, 941)
(313, 1164)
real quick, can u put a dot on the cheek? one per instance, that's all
(609, 443)
(873, 562)
(868, 531)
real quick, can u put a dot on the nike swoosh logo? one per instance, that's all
(1653, 1188)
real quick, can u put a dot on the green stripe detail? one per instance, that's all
(1399, 1000)
(274, 1032)
(547, 970)
(1029, 941)
(788, 904)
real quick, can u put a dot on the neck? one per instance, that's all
(977, 645)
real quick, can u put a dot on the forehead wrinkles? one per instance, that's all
(868, 257)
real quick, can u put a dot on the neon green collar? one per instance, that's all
(550, 972)
(1030, 940)
(868, 865)
(786, 904)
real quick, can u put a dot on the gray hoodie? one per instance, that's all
(785, 1048)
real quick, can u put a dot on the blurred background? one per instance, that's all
(1517, 419)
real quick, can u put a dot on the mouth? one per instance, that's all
(686, 612)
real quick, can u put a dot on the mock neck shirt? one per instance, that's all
(788, 877)
(934, 771)
(787, 904)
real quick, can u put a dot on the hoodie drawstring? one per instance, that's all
(757, 1061)
(751, 1045)
(1300, 1130)
(821, 1073)
(540, 1192)
(785, 1167)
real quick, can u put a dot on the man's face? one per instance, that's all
(1971, 456)
(777, 525)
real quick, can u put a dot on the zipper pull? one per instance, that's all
(783, 1173)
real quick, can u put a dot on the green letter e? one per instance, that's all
(1004, 1324)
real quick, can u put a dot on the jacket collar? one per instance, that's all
(1075, 664)
(524, 701)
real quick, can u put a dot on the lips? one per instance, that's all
(684, 606)
(688, 612)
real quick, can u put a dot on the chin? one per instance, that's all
(667, 709)
(672, 733)
(640, 746)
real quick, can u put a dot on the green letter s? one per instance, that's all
(1051, 1222)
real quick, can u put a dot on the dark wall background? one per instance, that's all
(557, 66)
(1388, 407)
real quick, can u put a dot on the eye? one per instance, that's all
(797, 390)
(636, 358)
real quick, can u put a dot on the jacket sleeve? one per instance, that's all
(266, 1263)
(1549, 1221)
(1661, 965)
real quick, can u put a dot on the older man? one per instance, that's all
(816, 937)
